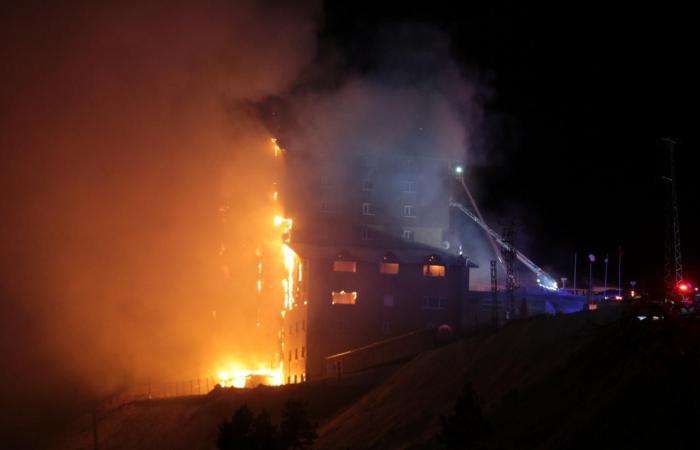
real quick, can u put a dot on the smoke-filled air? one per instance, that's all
(138, 178)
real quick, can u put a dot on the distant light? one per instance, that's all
(458, 169)
(683, 287)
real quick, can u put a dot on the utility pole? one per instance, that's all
(494, 294)
(575, 259)
(619, 270)
(511, 280)
(605, 278)
(95, 441)
(673, 267)
(591, 259)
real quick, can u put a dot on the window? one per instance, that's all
(433, 270)
(388, 268)
(408, 235)
(389, 264)
(303, 352)
(366, 233)
(389, 300)
(409, 211)
(296, 353)
(295, 379)
(367, 185)
(367, 209)
(345, 262)
(386, 327)
(326, 182)
(344, 266)
(343, 298)
(433, 267)
(408, 187)
(290, 355)
(303, 325)
(431, 302)
(326, 207)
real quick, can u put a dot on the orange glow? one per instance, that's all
(275, 147)
(234, 375)
(433, 270)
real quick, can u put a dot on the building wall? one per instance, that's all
(344, 196)
(333, 328)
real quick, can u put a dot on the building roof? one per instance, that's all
(375, 250)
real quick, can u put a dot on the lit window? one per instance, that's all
(366, 233)
(408, 187)
(389, 268)
(367, 209)
(408, 235)
(343, 298)
(367, 185)
(433, 267)
(389, 300)
(409, 211)
(344, 262)
(344, 266)
(433, 270)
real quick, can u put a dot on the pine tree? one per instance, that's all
(464, 428)
(297, 432)
(264, 434)
(234, 434)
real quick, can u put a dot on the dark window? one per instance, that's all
(386, 327)
(366, 233)
(409, 211)
(389, 300)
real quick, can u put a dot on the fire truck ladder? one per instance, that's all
(543, 278)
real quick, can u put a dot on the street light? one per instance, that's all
(591, 259)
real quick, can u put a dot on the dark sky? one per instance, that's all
(579, 99)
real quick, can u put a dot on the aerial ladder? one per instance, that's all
(543, 278)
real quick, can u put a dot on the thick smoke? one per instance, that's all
(127, 130)
(412, 98)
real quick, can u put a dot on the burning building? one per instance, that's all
(370, 259)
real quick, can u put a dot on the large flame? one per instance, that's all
(239, 375)
(234, 375)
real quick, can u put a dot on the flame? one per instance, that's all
(236, 376)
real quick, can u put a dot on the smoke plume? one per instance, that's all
(128, 129)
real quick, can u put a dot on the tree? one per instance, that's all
(464, 428)
(264, 434)
(234, 434)
(297, 432)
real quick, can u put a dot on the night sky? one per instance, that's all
(578, 100)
